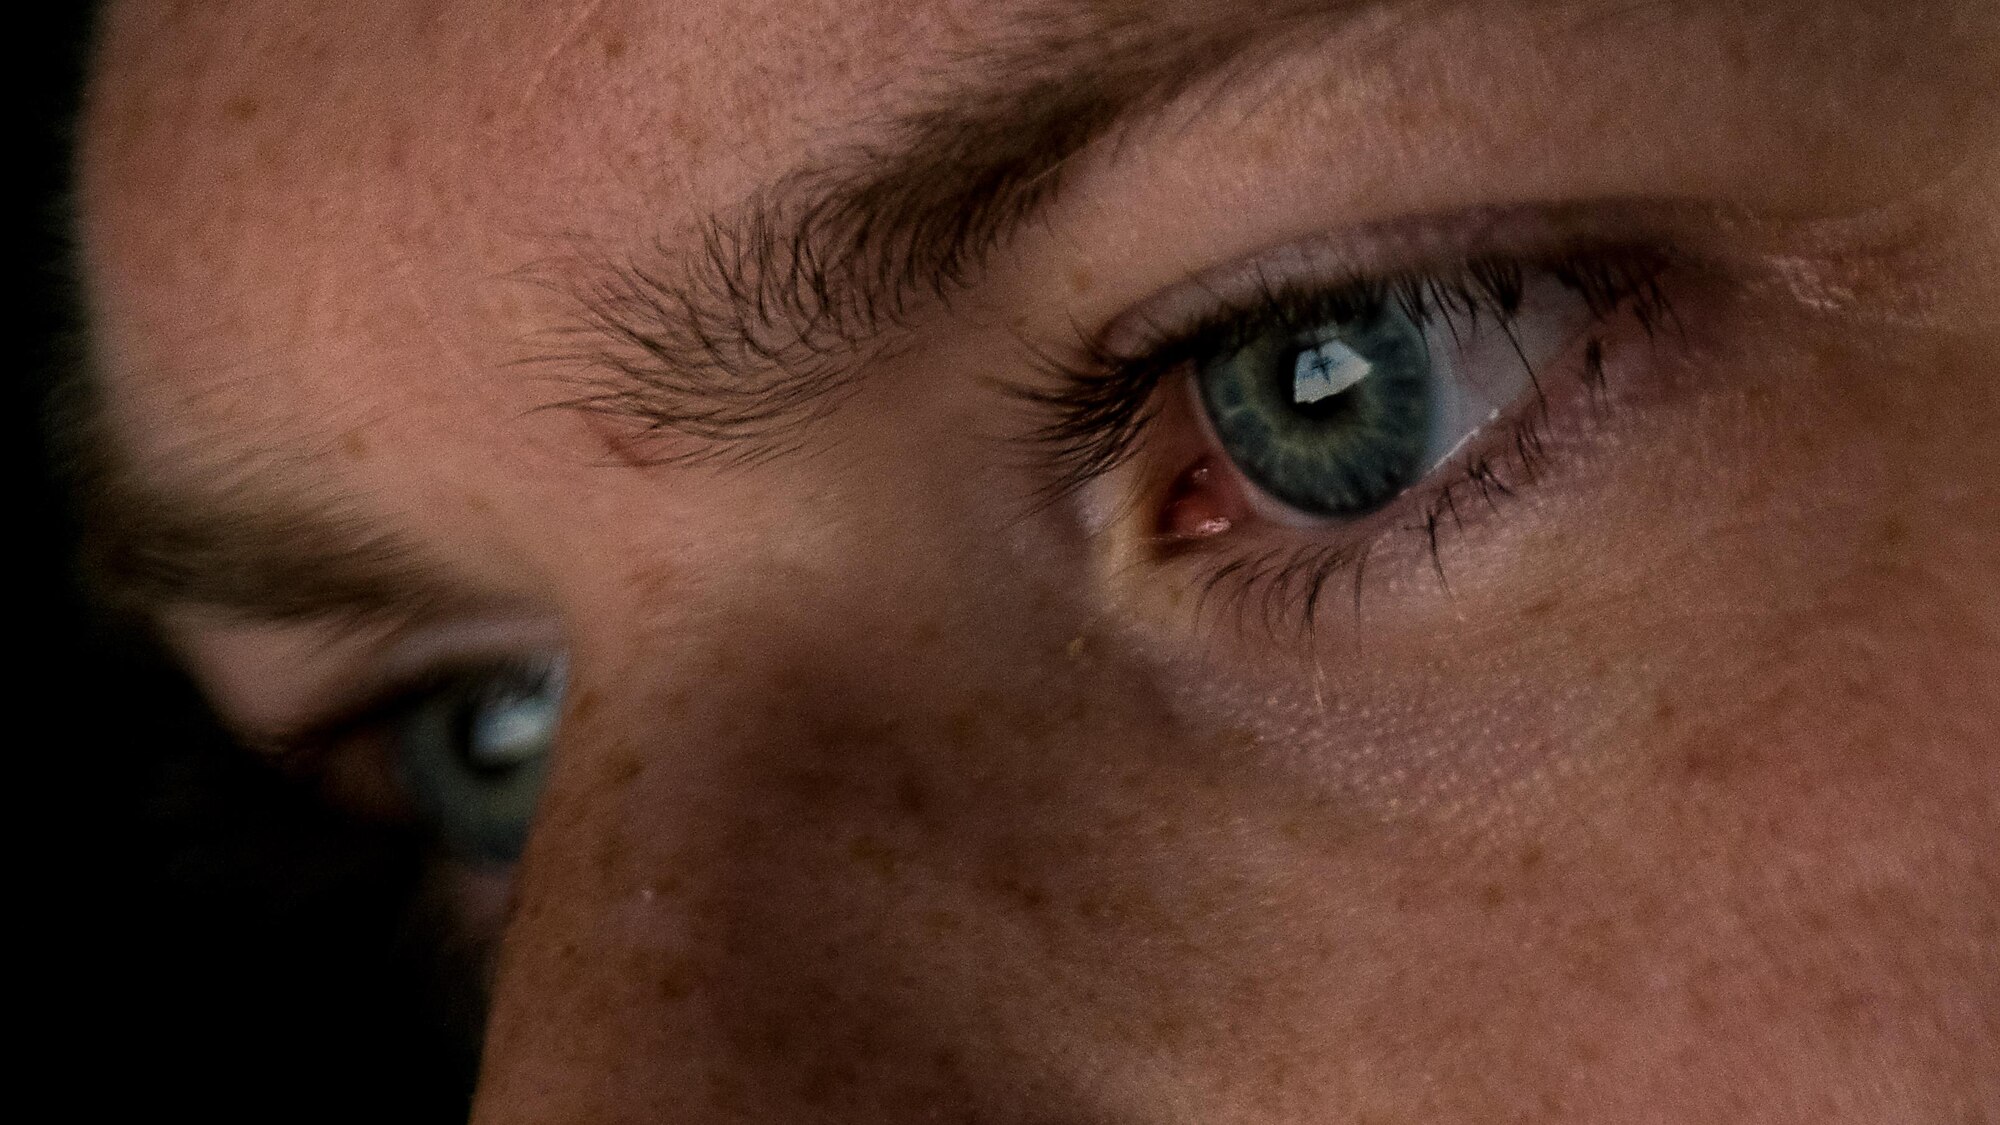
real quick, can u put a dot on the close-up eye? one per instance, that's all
(1316, 401)
(474, 752)
(1334, 402)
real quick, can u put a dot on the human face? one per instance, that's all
(966, 717)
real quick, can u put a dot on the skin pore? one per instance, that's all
(1637, 765)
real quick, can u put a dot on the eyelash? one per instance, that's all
(1099, 405)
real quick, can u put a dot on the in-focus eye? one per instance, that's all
(1335, 403)
(474, 754)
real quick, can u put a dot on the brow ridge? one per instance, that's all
(764, 325)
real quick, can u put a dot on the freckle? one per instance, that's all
(676, 981)
(1026, 895)
(1493, 896)
(586, 703)
(609, 857)
(1169, 1030)
(1701, 763)
(395, 146)
(942, 922)
(1530, 858)
(242, 107)
(1542, 608)
(1600, 669)
(875, 855)
(1080, 280)
(477, 503)
(354, 445)
(687, 131)
(614, 47)
(1664, 713)
(625, 770)
(962, 728)
(911, 795)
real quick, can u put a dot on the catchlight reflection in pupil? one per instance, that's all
(1334, 422)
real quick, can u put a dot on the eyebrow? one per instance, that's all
(244, 549)
(761, 324)
(756, 328)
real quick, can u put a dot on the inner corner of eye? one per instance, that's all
(1203, 500)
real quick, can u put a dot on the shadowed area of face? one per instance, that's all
(907, 776)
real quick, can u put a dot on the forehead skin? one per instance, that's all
(877, 801)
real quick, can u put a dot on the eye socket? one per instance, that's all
(474, 752)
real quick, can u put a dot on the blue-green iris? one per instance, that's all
(475, 756)
(1333, 422)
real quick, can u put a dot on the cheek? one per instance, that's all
(918, 837)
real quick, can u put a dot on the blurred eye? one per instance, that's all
(474, 752)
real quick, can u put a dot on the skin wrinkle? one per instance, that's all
(844, 824)
(573, 32)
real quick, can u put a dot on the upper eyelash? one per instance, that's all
(1100, 403)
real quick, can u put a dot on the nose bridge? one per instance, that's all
(773, 829)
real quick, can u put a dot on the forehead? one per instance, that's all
(340, 195)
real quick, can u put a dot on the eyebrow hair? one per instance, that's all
(761, 324)
(243, 549)
(737, 340)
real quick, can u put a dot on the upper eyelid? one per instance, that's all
(329, 678)
(1408, 247)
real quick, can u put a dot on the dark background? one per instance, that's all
(202, 937)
